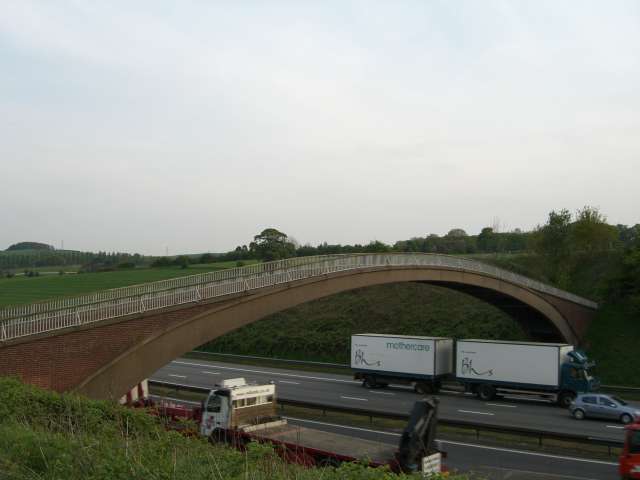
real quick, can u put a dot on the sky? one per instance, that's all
(190, 126)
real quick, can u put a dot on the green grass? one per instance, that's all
(321, 330)
(47, 436)
(21, 290)
(612, 340)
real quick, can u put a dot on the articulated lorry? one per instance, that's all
(487, 368)
(237, 413)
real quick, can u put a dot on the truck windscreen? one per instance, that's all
(634, 441)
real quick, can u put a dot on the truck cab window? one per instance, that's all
(573, 372)
(634, 442)
(214, 404)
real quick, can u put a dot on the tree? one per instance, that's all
(206, 258)
(272, 244)
(457, 233)
(554, 238)
(487, 241)
(590, 231)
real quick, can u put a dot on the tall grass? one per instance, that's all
(47, 436)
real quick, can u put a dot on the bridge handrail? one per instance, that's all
(74, 311)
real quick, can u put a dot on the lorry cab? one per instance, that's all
(575, 375)
(629, 466)
(236, 404)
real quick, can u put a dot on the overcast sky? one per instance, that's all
(193, 125)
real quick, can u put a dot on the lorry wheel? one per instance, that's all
(626, 418)
(578, 414)
(421, 388)
(486, 392)
(368, 382)
(565, 399)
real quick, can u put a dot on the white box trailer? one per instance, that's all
(423, 362)
(487, 367)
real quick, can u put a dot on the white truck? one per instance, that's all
(422, 362)
(556, 371)
(237, 413)
(553, 370)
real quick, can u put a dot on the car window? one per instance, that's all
(590, 400)
(619, 400)
(606, 402)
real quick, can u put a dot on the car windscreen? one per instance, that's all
(619, 400)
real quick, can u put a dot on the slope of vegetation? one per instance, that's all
(47, 436)
(321, 330)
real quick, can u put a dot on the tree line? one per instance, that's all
(563, 235)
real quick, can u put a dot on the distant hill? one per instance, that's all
(29, 246)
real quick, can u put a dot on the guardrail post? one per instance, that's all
(78, 320)
(142, 304)
(4, 332)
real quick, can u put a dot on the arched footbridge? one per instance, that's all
(104, 343)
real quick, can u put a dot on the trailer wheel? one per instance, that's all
(422, 388)
(368, 382)
(565, 399)
(486, 392)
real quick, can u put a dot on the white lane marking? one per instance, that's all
(463, 444)
(177, 376)
(262, 372)
(289, 381)
(615, 426)
(500, 405)
(476, 413)
(355, 398)
(382, 393)
(533, 454)
(210, 373)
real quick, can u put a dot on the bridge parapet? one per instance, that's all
(22, 321)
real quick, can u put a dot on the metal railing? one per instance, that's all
(43, 317)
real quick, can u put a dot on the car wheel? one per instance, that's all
(486, 392)
(368, 383)
(626, 418)
(578, 414)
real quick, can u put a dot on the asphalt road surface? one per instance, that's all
(491, 462)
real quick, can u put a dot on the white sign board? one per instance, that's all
(431, 464)
(508, 362)
(408, 355)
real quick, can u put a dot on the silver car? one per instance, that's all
(603, 406)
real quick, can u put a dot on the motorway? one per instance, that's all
(492, 462)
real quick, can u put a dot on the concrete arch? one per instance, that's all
(156, 350)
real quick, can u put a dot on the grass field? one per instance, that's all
(21, 290)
